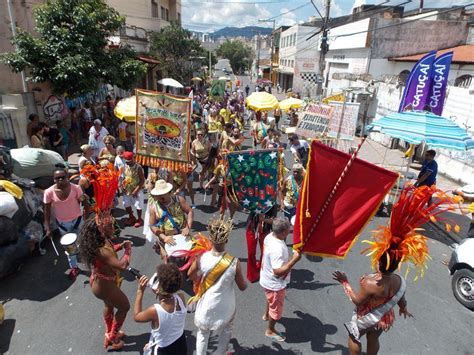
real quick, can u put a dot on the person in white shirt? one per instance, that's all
(275, 274)
(300, 149)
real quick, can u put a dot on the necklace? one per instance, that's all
(217, 253)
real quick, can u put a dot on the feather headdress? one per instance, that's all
(105, 182)
(401, 239)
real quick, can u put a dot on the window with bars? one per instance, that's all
(154, 9)
(163, 14)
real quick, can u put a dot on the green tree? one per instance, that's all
(178, 51)
(239, 55)
(72, 50)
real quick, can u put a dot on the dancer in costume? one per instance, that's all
(291, 190)
(200, 149)
(215, 273)
(258, 226)
(392, 245)
(100, 254)
(167, 316)
(132, 187)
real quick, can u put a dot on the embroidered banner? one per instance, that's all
(353, 204)
(439, 82)
(254, 176)
(162, 130)
(416, 93)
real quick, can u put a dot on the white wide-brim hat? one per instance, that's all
(161, 188)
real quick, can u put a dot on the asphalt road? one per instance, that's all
(48, 314)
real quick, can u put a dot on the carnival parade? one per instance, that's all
(201, 203)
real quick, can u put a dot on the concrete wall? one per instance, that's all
(23, 11)
(415, 37)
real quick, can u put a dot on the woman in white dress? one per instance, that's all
(215, 309)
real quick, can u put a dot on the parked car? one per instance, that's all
(461, 267)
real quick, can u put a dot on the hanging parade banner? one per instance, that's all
(254, 176)
(217, 90)
(314, 121)
(439, 82)
(417, 90)
(162, 130)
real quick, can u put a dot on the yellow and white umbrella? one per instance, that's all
(196, 79)
(290, 103)
(262, 101)
(126, 109)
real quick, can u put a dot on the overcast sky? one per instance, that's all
(211, 15)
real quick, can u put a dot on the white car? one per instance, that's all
(461, 267)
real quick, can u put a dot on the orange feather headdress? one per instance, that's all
(105, 182)
(401, 239)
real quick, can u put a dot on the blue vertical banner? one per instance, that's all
(416, 94)
(439, 82)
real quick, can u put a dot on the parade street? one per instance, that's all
(48, 314)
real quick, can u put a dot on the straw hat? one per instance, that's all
(161, 188)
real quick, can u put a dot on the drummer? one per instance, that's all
(63, 201)
(170, 215)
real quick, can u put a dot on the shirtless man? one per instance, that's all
(375, 290)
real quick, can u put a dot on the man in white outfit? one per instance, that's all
(218, 270)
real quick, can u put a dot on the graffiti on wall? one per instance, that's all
(54, 108)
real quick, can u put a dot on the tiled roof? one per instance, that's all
(462, 54)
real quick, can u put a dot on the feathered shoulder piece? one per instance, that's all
(201, 244)
(105, 182)
(402, 238)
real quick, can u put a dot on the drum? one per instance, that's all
(182, 243)
(69, 243)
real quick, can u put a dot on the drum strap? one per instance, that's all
(76, 225)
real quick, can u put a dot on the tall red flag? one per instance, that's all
(360, 192)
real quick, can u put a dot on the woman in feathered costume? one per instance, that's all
(100, 254)
(391, 246)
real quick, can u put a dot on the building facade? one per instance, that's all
(298, 66)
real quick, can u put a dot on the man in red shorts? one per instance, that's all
(275, 274)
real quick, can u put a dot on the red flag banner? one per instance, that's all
(361, 190)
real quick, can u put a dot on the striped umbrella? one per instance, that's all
(262, 101)
(417, 127)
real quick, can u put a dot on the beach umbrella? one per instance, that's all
(290, 103)
(262, 101)
(196, 79)
(126, 109)
(170, 82)
(420, 126)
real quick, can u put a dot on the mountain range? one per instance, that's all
(247, 32)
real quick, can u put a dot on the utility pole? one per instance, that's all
(272, 46)
(324, 48)
(13, 27)
(258, 54)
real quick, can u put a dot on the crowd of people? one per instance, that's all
(157, 200)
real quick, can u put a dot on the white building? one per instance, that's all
(299, 59)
